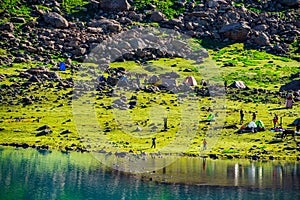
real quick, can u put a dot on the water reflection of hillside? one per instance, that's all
(29, 174)
(256, 174)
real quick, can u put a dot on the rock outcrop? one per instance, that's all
(290, 2)
(236, 31)
(114, 5)
(274, 29)
(56, 20)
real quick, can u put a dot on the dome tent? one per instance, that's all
(239, 85)
(260, 124)
(190, 80)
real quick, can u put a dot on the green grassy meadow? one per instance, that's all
(90, 125)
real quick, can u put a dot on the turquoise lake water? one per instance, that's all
(32, 174)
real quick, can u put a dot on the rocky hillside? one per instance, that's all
(42, 30)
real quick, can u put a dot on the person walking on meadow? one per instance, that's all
(242, 116)
(253, 116)
(289, 101)
(153, 143)
(204, 144)
(275, 120)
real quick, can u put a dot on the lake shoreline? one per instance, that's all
(213, 156)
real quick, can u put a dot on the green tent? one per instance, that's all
(211, 117)
(260, 124)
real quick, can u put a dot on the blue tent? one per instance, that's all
(62, 66)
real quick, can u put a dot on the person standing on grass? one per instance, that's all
(242, 116)
(204, 144)
(153, 143)
(289, 101)
(275, 120)
(253, 116)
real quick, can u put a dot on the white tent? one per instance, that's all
(252, 125)
(190, 80)
(239, 85)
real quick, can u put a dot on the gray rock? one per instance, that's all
(125, 20)
(201, 14)
(236, 31)
(8, 35)
(8, 26)
(94, 30)
(79, 51)
(56, 20)
(106, 24)
(31, 49)
(93, 4)
(261, 39)
(18, 20)
(137, 43)
(136, 17)
(178, 44)
(157, 16)
(34, 79)
(216, 3)
(189, 26)
(138, 129)
(124, 45)
(290, 2)
(293, 85)
(261, 27)
(175, 22)
(19, 60)
(114, 5)
(44, 132)
(114, 27)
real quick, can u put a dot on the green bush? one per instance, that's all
(167, 7)
(68, 5)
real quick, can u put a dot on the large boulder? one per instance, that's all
(8, 26)
(261, 39)
(106, 24)
(290, 2)
(56, 20)
(293, 85)
(114, 5)
(157, 16)
(237, 31)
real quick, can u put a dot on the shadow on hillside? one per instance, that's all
(214, 45)
(282, 108)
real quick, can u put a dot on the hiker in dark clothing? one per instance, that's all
(204, 144)
(242, 116)
(153, 143)
(275, 120)
(253, 116)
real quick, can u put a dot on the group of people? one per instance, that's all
(242, 118)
